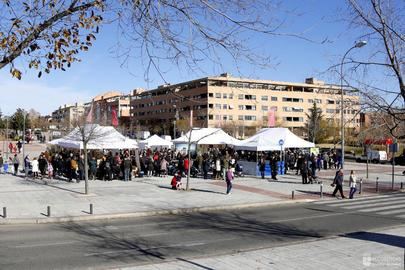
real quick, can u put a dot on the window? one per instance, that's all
(241, 107)
(293, 119)
(218, 106)
(330, 101)
(230, 117)
(274, 108)
(240, 117)
(218, 95)
(330, 110)
(250, 97)
(240, 96)
(265, 108)
(217, 117)
(210, 117)
(224, 95)
(230, 96)
(211, 94)
(211, 106)
(250, 118)
(265, 98)
(273, 98)
(250, 107)
(310, 101)
(286, 109)
(297, 109)
(224, 106)
(224, 117)
(286, 99)
(319, 101)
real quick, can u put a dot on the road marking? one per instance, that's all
(376, 209)
(392, 212)
(355, 202)
(117, 227)
(361, 199)
(46, 244)
(368, 205)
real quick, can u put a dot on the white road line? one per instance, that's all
(368, 205)
(374, 198)
(331, 202)
(393, 212)
(355, 202)
(192, 244)
(117, 227)
(46, 244)
(401, 216)
(376, 209)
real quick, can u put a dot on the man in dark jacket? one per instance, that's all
(273, 166)
(338, 182)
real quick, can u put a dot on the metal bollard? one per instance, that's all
(292, 195)
(376, 185)
(361, 185)
(91, 209)
(48, 211)
(321, 190)
(4, 212)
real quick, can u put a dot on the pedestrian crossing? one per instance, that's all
(385, 205)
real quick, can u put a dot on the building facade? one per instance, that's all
(64, 116)
(241, 106)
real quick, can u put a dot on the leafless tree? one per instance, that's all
(50, 34)
(381, 23)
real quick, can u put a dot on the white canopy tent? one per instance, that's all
(99, 137)
(155, 141)
(268, 139)
(201, 136)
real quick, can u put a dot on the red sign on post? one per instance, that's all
(388, 141)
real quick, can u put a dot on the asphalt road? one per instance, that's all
(117, 243)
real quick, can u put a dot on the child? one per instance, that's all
(50, 170)
(176, 181)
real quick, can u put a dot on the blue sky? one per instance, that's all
(100, 71)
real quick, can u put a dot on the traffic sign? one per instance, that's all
(281, 142)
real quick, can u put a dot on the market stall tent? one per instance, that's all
(272, 139)
(99, 137)
(214, 136)
(155, 141)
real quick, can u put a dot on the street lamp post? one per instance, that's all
(23, 146)
(358, 44)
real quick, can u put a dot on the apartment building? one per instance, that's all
(65, 115)
(243, 105)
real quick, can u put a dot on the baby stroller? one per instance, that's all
(239, 170)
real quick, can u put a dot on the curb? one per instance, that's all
(179, 211)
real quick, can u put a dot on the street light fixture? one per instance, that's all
(358, 44)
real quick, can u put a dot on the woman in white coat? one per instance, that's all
(35, 168)
(352, 184)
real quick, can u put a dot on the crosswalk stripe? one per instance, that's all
(376, 209)
(372, 204)
(354, 202)
(393, 212)
(369, 198)
(401, 216)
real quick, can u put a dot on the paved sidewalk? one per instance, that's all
(364, 250)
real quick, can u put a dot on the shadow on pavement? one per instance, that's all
(195, 264)
(387, 239)
(46, 183)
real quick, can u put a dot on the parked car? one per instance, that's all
(373, 156)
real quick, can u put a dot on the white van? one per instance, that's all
(374, 156)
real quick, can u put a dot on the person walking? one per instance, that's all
(92, 168)
(16, 163)
(352, 184)
(229, 178)
(1, 163)
(19, 146)
(262, 166)
(304, 172)
(127, 167)
(42, 165)
(338, 182)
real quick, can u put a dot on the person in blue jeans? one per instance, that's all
(229, 179)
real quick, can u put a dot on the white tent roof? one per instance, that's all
(155, 141)
(99, 138)
(267, 139)
(207, 136)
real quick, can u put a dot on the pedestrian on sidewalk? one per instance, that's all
(50, 170)
(338, 183)
(16, 163)
(262, 166)
(1, 163)
(35, 167)
(229, 178)
(352, 184)
(304, 172)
